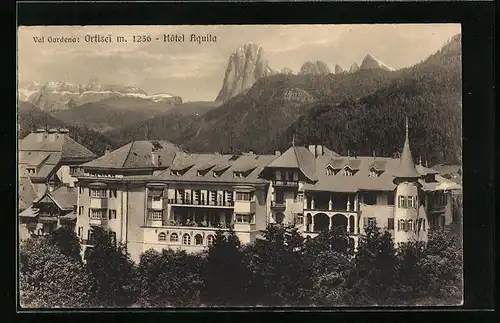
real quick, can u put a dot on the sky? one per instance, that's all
(196, 71)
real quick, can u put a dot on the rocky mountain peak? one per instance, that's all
(354, 68)
(371, 62)
(317, 68)
(245, 66)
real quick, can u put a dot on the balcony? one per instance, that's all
(278, 206)
(201, 203)
(285, 183)
(244, 207)
(99, 202)
(98, 220)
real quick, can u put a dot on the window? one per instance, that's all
(410, 225)
(97, 214)
(370, 198)
(99, 193)
(390, 223)
(174, 237)
(401, 225)
(242, 218)
(216, 174)
(295, 176)
(409, 200)
(112, 214)
(390, 198)
(299, 219)
(112, 192)
(81, 190)
(186, 239)
(299, 197)
(210, 239)
(402, 201)
(80, 210)
(440, 199)
(423, 224)
(329, 171)
(90, 234)
(80, 231)
(112, 237)
(373, 172)
(278, 175)
(155, 215)
(73, 170)
(243, 196)
(347, 171)
(198, 239)
(371, 222)
(30, 170)
(74, 209)
(162, 236)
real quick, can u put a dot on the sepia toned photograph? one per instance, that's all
(200, 166)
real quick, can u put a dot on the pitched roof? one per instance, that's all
(26, 193)
(361, 179)
(220, 162)
(65, 196)
(136, 154)
(297, 157)
(61, 143)
(406, 168)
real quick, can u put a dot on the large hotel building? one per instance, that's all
(153, 194)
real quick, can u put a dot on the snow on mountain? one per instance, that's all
(64, 95)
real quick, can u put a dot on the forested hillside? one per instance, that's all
(430, 94)
(30, 118)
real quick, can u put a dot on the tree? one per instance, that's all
(442, 262)
(67, 241)
(375, 265)
(50, 278)
(279, 275)
(330, 258)
(224, 274)
(113, 271)
(169, 278)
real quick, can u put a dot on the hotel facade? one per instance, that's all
(152, 194)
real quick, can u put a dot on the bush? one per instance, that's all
(49, 278)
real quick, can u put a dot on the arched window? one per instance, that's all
(198, 239)
(186, 239)
(174, 237)
(210, 239)
(410, 225)
(162, 236)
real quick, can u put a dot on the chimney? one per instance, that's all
(319, 150)
(52, 134)
(40, 134)
(312, 149)
(277, 153)
(63, 131)
(154, 157)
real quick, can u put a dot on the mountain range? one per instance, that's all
(260, 109)
(53, 96)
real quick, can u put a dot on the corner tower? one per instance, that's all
(409, 216)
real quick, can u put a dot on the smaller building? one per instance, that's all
(49, 212)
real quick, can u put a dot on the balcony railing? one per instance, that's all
(277, 205)
(201, 202)
(98, 220)
(285, 183)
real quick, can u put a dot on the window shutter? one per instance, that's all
(89, 213)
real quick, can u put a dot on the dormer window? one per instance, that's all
(31, 170)
(238, 174)
(347, 171)
(175, 173)
(330, 171)
(373, 172)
